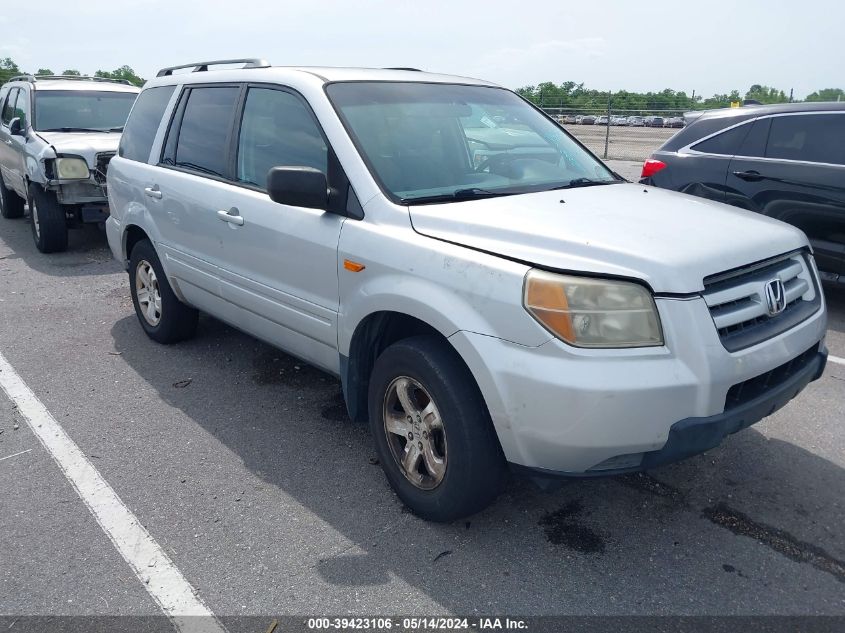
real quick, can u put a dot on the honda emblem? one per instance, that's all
(775, 297)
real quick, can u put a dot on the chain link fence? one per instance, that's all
(619, 134)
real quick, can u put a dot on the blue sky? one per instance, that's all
(711, 46)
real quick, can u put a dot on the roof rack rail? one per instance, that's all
(71, 77)
(249, 62)
(416, 70)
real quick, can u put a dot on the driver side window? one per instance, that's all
(9, 106)
(277, 130)
(20, 108)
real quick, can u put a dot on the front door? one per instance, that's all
(280, 262)
(11, 147)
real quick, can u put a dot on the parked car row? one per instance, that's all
(631, 121)
(405, 232)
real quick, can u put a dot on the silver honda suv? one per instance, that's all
(487, 291)
(57, 136)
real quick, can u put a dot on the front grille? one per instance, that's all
(737, 300)
(102, 167)
(749, 389)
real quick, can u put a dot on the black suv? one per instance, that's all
(786, 161)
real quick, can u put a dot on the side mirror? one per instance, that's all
(298, 187)
(16, 128)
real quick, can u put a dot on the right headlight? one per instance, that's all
(587, 312)
(71, 168)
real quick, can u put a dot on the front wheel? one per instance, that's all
(49, 225)
(432, 431)
(164, 318)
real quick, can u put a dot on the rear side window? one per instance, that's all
(277, 130)
(139, 133)
(203, 140)
(817, 138)
(727, 143)
(9, 106)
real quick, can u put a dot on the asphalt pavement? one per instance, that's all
(241, 464)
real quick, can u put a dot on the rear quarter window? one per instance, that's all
(139, 133)
(726, 143)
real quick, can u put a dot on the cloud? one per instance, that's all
(541, 54)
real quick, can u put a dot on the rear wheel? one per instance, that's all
(164, 318)
(49, 225)
(432, 431)
(11, 204)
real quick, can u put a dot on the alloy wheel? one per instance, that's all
(33, 209)
(148, 293)
(415, 432)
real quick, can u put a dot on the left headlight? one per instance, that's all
(587, 312)
(71, 168)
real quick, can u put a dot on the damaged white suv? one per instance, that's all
(57, 136)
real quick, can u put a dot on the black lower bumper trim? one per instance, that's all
(692, 436)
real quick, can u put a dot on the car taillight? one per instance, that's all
(651, 167)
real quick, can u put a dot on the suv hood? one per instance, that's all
(86, 144)
(672, 241)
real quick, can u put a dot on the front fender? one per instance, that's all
(448, 287)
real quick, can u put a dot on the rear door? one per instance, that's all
(703, 169)
(792, 167)
(190, 186)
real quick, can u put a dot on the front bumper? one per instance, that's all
(693, 436)
(576, 412)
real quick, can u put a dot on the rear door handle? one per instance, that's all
(750, 176)
(232, 215)
(153, 192)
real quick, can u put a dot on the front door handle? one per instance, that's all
(232, 215)
(153, 192)
(750, 176)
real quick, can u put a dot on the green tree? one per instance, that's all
(766, 94)
(44, 71)
(827, 94)
(8, 69)
(72, 73)
(124, 72)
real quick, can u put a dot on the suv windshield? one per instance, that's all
(430, 142)
(81, 110)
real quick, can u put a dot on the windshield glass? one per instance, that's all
(70, 110)
(429, 142)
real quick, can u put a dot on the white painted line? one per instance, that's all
(15, 454)
(153, 567)
(836, 359)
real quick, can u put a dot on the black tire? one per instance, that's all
(474, 464)
(11, 204)
(176, 321)
(48, 221)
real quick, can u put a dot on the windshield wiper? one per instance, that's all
(116, 129)
(585, 182)
(72, 129)
(471, 193)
